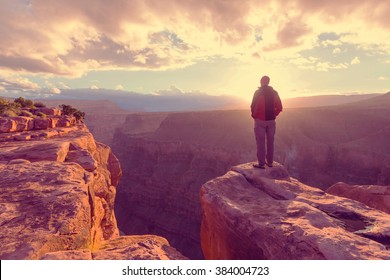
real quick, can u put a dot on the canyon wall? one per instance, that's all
(349, 143)
(167, 157)
(163, 171)
(250, 213)
(57, 193)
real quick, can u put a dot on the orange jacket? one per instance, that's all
(266, 104)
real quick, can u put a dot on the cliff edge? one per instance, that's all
(57, 192)
(265, 214)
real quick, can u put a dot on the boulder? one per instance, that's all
(375, 196)
(50, 111)
(23, 123)
(82, 157)
(66, 121)
(41, 123)
(7, 125)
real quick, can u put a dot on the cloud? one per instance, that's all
(325, 66)
(355, 61)
(18, 83)
(336, 51)
(317, 64)
(55, 90)
(63, 85)
(381, 78)
(95, 87)
(119, 87)
(172, 91)
(71, 38)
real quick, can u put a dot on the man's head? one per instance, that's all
(264, 81)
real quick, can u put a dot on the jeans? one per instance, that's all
(265, 131)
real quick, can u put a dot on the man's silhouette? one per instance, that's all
(266, 106)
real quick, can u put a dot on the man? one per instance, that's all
(266, 106)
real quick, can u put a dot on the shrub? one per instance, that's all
(68, 110)
(25, 114)
(24, 102)
(4, 105)
(3, 101)
(79, 115)
(40, 114)
(39, 105)
(9, 113)
(10, 109)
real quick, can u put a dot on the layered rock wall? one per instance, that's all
(19, 124)
(164, 170)
(159, 193)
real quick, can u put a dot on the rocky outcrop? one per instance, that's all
(265, 214)
(19, 124)
(57, 193)
(375, 196)
(102, 117)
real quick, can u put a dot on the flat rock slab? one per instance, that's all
(263, 214)
(44, 207)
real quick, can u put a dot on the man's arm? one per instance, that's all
(254, 103)
(278, 107)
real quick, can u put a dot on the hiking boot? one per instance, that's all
(270, 164)
(261, 166)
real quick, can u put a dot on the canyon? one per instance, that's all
(165, 165)
(167, 157)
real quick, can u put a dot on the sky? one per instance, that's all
(216, 47)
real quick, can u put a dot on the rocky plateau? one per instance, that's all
(57, 193)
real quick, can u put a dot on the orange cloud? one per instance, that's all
(69, 37)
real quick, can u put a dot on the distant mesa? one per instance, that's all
(137, 102)
(325, 100)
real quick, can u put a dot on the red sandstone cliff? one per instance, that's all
(57, 192)
(265, 214)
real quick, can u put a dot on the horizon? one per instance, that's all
(208, 47)
(187, 102)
